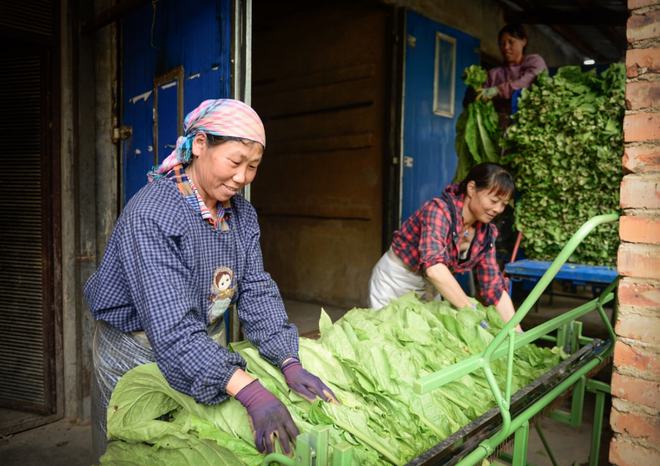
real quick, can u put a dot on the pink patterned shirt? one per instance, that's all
(508, 78)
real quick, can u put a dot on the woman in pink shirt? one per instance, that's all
(517, 72)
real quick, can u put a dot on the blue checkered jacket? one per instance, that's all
(156, 275)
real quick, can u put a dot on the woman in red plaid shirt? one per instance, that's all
(449, 234)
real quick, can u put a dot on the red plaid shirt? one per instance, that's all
(432, 236)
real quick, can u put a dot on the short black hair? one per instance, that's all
(514, 30)
(490, 176)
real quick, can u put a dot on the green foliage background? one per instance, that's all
(565, 151)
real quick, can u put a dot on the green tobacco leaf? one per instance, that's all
(478, 134)
(475, 76)
(370, 359)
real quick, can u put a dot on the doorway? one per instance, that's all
(29, 218)
(320, 78)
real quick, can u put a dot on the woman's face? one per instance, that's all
(486, 204)
(221, 171)
(511, 49)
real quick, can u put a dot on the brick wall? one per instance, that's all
(635, 416)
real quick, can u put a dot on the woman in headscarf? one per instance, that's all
(186, 247)
(517, 72)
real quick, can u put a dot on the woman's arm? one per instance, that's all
(493, 286)
(238, 382)
(260, 307)
(506, 310)
(443, 280)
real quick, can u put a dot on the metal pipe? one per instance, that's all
(550, 274)
(509, 367)
(489, 445)
(458, 370)
(597, 428)
(520, 445)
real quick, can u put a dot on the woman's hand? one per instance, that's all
(304, 383)
(487, 93)
(506, 310)
(269, 417)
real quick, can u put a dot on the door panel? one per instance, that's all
(169, 46)
(429, 125)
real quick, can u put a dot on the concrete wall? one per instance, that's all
(635, 415)
(483, 19)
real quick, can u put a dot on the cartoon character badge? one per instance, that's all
(222, 292)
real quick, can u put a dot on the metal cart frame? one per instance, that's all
(513, 412)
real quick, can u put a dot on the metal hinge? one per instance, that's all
(412, 40)
(407, 161)
(121, 133)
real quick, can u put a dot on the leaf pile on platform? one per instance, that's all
(565, 151)
(369, 358)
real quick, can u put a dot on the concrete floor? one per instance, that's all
(68, 442)
(62, 443)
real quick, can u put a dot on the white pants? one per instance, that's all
(391, 279)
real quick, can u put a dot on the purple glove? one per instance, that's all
(305, 384)
(269, 416)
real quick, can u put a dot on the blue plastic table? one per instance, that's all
(526, 270)
(578, 274)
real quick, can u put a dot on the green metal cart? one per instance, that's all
(510, 420)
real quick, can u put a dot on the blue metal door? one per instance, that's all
(174, 55)
(435, 58)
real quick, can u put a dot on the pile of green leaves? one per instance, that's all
(565, 152)
(369, 358)
(477, 131)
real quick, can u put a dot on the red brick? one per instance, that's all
(640, 61)
(643, 26)
(634, 359)
(638, 229)
(633, 4)
(639, 260)
(643, 126)
(640, 191)
(638, 327)
(641, 159)
(623, 452)
(644, 295)
(642, 94)
(636, 390)
(636, 425)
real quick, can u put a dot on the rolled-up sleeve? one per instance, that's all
(434, 235)
(160, 285)
(260, 306)
(489, 277)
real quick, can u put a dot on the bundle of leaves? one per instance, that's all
(477, 131)
(370, 359)
(565, 152)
